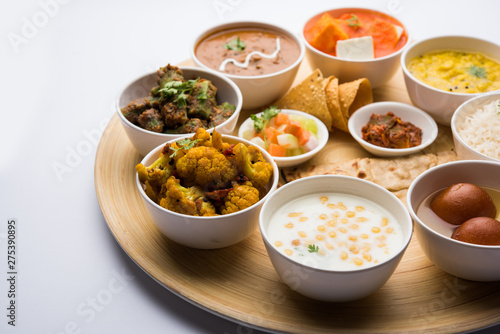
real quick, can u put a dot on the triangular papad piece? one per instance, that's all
(308, 96)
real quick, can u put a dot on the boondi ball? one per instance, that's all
(479, 230)
(461, 202)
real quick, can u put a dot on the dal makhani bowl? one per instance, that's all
(352, 43)
(261, 58)
(443, 72)
(334, 238)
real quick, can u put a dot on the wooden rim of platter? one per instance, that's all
(239, 283)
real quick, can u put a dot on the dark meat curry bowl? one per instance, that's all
(145, 140)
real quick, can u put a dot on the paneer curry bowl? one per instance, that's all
(174, 102)
(352, 43)
(205, 191)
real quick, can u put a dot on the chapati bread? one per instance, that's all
(341, 157)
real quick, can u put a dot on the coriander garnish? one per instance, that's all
(353, 21)
(184, 144)
(313, 248)
(477, 71)
(235, 45)
(259, 123)
(179, 90)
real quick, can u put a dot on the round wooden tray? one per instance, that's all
(240, 284)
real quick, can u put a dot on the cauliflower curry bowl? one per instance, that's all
(206, 191)
(174, 102)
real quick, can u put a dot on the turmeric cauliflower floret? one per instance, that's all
(240, 197)
(189, 201)
(156, 174)
(252, 164)
(202, 137)
(206, 166)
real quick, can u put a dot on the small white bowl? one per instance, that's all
(438, 103)
(210, 232)
(334, 285)
(378, 71)
(143, 140)
(464, 260)
(404, 111)
(296, 160)
(258, 90)
(465, 151)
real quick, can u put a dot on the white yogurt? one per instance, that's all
(335, 231)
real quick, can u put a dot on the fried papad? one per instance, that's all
(308, 96)
(333, 103)
(343, 157)
(352, 96)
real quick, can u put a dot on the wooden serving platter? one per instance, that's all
(239, 282)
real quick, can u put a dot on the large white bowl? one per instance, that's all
(378, 71)
(334, 285)
(464, 260)
(213, 231)
(465, 151)
(295, 160)
(407, 113)
(438, 103)
(143, 140)
(258, 90)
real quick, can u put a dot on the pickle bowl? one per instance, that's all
(406, 113)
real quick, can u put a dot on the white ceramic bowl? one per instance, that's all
(438, 103)
(143, 140)
(334, 285)
(378, 71)
(296, 160)
(404, 111)
(207, 232)
(464, 260)
(259, 90)
(465, 151)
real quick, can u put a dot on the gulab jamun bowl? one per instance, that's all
(455, 224)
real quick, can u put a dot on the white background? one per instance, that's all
(62, 65)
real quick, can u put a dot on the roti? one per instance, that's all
(341, 157)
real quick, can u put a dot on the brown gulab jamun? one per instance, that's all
(461, 202)
(479, 230)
